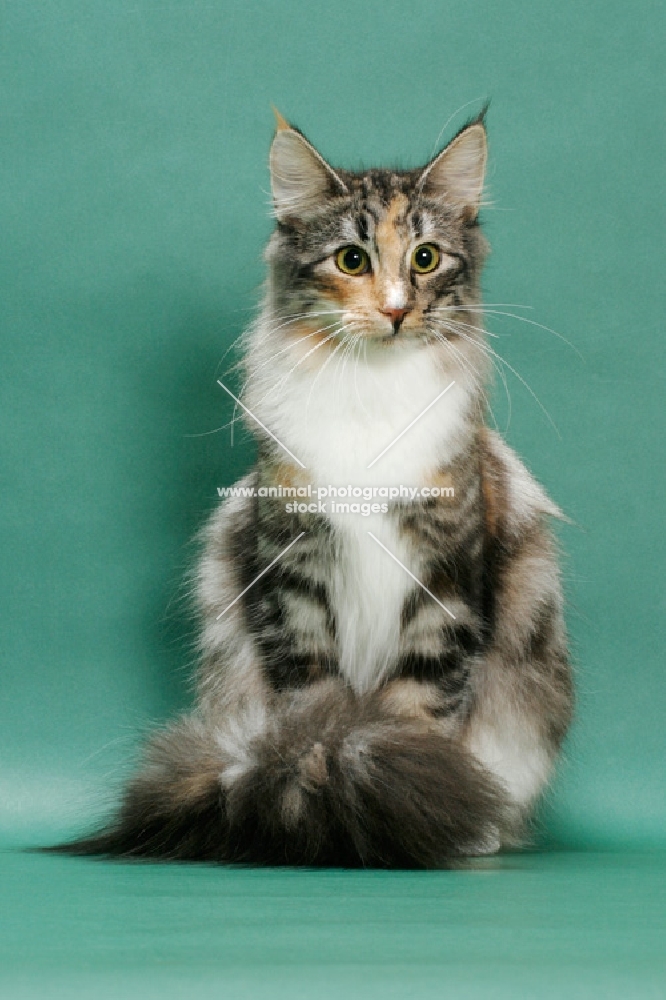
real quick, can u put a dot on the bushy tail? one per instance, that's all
(324, 779)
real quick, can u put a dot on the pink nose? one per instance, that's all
(395, 315)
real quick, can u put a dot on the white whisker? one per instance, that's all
(541, 326)
(495, 309)
(307, 354)
(321, 370)
(484, 305)
(503, 361)
(362, 343)
(287, 321)
(455, 326)
(472, 371)
(253, 372)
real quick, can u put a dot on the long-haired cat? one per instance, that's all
(381, 683)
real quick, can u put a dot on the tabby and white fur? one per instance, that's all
(393, 691)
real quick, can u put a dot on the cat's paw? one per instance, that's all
(489, 843)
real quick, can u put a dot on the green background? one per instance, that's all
(133, 211)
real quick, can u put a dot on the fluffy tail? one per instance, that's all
(324, 779)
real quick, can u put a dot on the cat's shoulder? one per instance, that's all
(514, 500)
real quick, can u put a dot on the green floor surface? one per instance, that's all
(546, 926)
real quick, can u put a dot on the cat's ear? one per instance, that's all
(456, 175)
(300, 178)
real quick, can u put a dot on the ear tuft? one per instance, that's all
(300, 178)
(456, 174)
(280, 122)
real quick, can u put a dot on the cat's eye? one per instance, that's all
(425, 258)
(352, 260)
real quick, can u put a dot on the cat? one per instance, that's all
(385, 683)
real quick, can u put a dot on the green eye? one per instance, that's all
(425, 258)
(352, 260)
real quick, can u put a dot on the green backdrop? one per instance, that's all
(133, 211)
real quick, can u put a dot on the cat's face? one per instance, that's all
(384, 256)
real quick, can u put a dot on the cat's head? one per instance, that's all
(383, 255)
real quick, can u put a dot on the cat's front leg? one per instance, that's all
(288, 609)
(231, 676)
(522, 695)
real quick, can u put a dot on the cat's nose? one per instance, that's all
(395, 315)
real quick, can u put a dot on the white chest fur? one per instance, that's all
(337, 423)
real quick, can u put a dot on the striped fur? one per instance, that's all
(345, 714)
